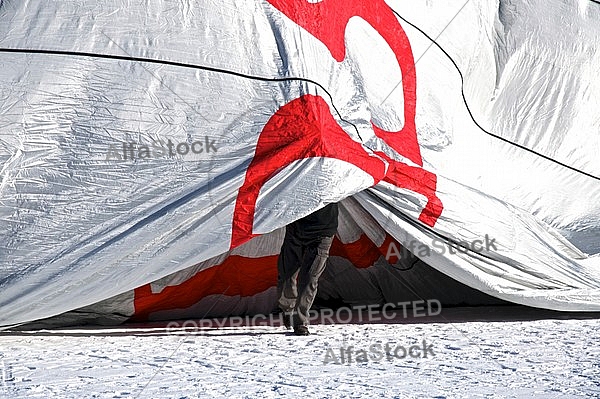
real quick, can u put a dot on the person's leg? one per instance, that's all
(288, 265)
(313, 265)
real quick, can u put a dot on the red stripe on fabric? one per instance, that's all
(363, 252)
(418, 180)
(245, 277)
(236, 276)
(327, 21)
(303, 128)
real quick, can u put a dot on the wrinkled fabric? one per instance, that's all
(139, 140)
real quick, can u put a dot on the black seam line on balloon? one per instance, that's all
(184, 65)
(162, 82)
(171, 63)
(410, 71)
(411, 222)
(449, 241)
(462, 79)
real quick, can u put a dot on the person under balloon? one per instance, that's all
(301, 262)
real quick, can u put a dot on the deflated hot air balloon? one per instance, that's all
(151, 154)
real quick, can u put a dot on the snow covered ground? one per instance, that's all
(491, 352)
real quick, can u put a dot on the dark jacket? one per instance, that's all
(321, 223)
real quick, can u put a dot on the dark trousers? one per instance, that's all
(301, 262)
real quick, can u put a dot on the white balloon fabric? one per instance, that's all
(146, 142)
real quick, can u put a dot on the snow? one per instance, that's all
(510, 352)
